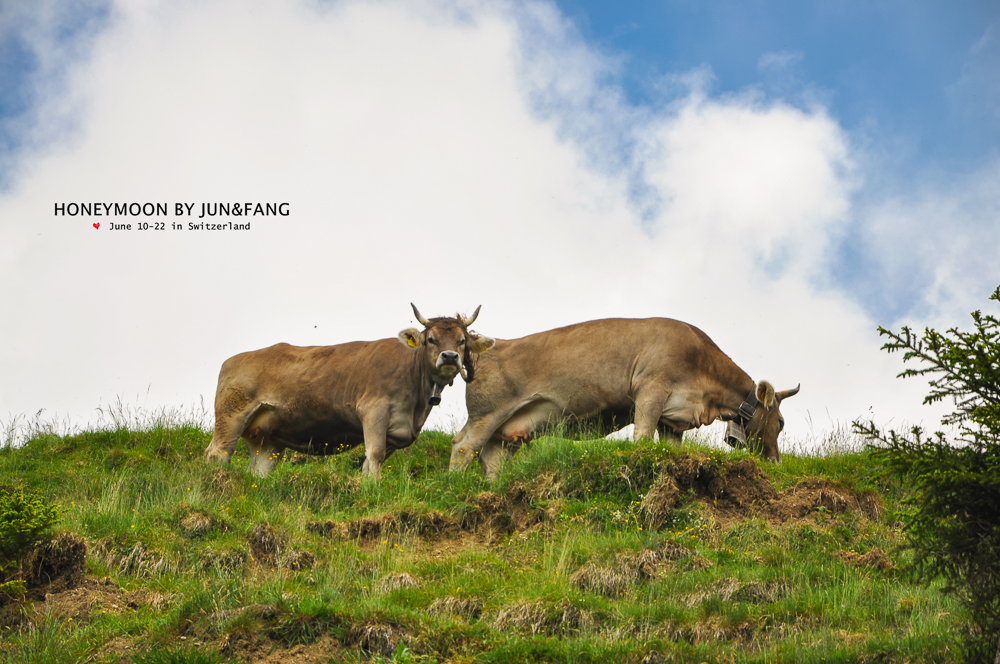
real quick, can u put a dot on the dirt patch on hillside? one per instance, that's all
(243, 647)
(386, 525)
(373, 639)
(265, 544)
(490, 515)
(742, 490)
(55, 566)
(815, 495)
(486, 517)
(93, 596)
(56, 585)
(51, 570)
(731, 493)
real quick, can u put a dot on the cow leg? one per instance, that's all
(228, 429)
(472, 441)
(648, 411)
(360, 463)
(364, 465)
(264, 455)
(495, 453)
(223, 444)
(375, 446)
(459, 458)
(493, 438)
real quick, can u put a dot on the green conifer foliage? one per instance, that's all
(25, 520)
(953, 516)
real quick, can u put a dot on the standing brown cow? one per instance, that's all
(327, 399)
(668, 373)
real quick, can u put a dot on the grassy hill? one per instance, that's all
(583, 551)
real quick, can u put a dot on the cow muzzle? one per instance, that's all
(447, 357)
(450, 362)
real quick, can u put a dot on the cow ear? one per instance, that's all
(412, 337)
(765, 394)
(479, 344)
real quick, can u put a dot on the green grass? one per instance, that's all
(545, 564)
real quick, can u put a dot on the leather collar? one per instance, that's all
(748, 408)
(735, 429)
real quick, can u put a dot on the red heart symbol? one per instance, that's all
(98, 225)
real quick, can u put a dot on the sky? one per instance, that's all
(785, 176)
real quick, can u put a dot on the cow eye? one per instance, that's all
(432, 340)
(781, 425)
(461, 342)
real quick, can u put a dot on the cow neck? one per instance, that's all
(740, 396)
(430, 389)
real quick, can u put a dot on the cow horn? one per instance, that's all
(475, 314)
(784, 394)
(420, 319)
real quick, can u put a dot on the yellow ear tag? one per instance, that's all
(411, 343)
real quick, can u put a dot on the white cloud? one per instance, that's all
(940, 242)
(450, 155)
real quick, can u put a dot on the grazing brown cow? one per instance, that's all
(668, 373)
(327, 399)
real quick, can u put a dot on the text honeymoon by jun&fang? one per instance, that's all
(180, 210)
